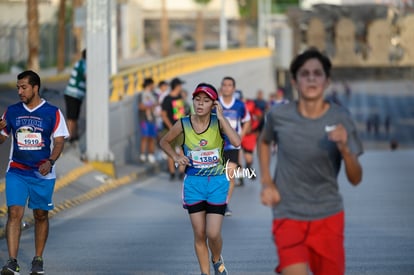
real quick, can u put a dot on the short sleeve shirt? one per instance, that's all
(32, 132)
(174, 107)
(149, 99)
(307, 162)
(77, 82)
(236, 113)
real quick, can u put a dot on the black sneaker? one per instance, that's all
(11, 268)
(37, 266)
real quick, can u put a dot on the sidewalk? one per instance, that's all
(78, 182)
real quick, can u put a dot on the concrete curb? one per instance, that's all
(74, 178)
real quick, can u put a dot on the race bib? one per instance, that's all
(29, 141)
(205, 158)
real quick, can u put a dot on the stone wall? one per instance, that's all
(358, 36)
(406, 26)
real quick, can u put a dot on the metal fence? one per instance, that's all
(129, 82)
(14, 49)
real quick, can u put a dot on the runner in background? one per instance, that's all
(278, 98)
(147, 102)
(250, 139)
(236, 113)
(260, 102)
(161, 91)
(74, 95)
(173, 108)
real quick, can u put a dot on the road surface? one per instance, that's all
(142, 229)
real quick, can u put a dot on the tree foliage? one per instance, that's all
(247, 8)
(202, 2)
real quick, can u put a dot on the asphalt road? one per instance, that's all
(141, 228)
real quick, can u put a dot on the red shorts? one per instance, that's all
(318, 243)
(249, 142)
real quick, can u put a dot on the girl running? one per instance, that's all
(205, 187)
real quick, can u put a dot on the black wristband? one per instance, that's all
(52, 162)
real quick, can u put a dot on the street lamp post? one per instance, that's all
(223, 27)
(98, 68)
(114, 38)
(264, 12)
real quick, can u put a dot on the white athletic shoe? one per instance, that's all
(151, 158)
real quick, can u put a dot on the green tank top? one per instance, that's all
(205, 150)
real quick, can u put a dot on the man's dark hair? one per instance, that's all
(147, 81)
(162, 82)
(231, 79)
(311, 53)
(33, 77)
(176, 82)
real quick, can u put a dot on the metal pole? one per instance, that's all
(223, 27)
(97, 108)
(125, 36)
(267, 19)
(260, 25)
(114, 46)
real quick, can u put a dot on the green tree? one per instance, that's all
(281, 6)
(247, 11)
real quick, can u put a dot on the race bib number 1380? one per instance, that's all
(205, 158)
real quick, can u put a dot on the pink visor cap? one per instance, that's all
(208, 91)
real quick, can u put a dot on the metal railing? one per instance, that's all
(129, 82)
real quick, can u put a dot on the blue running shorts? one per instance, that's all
(148, 129)
(202, 193)
(20, 188)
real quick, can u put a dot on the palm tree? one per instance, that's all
(200, 24)
(61, 36)
(33, 40)
(247, 10)
(164, 29)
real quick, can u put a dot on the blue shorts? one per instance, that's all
(148, 129)
(20, 188)
(205, 193)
